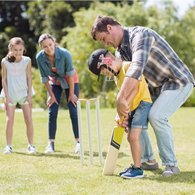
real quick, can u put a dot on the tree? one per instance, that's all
(79, 41)
(71, 21)
(14, 22)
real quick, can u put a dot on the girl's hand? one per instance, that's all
(29, 99)
(7, 101)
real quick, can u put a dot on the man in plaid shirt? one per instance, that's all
(152, 56)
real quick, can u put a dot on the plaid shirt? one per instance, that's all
(152, 55)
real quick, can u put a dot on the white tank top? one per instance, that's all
(17, 78)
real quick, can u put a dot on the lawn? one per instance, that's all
(62, 172)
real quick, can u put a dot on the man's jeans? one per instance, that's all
(147, 151)
(162, 109)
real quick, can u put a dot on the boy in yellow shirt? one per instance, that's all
(103, 62)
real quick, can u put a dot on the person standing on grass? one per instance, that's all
(17, 88)
(58, 74)
(103, 62)
(152, 56)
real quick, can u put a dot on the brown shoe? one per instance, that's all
(149, 166)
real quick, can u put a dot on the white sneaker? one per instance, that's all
(170, 170)
(8, 150)
(77, 148)
(49, 148)
(31, 149)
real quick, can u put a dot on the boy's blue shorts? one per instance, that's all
(139, 117)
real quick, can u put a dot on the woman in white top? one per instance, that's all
(17, 87)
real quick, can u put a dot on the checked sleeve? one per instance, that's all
(141, 43)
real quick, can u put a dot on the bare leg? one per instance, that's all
(135, 145)
(10, 111)
(27, 112)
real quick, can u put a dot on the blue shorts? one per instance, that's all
(139, 117)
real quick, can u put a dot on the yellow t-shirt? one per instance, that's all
(143, 91)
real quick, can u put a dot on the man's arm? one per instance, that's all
(141, 47)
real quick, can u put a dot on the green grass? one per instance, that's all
(62, 172)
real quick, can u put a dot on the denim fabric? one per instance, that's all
(147, 151)
(163, 108)
(139, 117)
(53, 111)
(63, 64)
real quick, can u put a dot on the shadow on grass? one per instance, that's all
(57, 154)
(183, 177)
(61, 154)
(120, 154)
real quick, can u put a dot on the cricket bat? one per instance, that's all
(113, 150)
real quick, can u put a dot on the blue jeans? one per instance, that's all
(53, 111)
(163, 108)
(139, 119)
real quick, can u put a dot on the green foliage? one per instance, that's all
(187, 39)
(71, 21)
(137, 15)
(53, 16)
(4, 44)
(164, 20)
(80, 34)
(58, 16)
(36, 15)
(111, 99)
(14, 22)
(40, 97)
(4, 47)
(191, 100)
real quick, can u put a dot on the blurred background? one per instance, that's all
(71, 21)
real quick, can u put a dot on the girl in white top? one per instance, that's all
(17, 86)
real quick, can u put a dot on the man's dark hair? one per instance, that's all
(100, 25)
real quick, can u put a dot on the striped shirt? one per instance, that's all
(152, 56)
